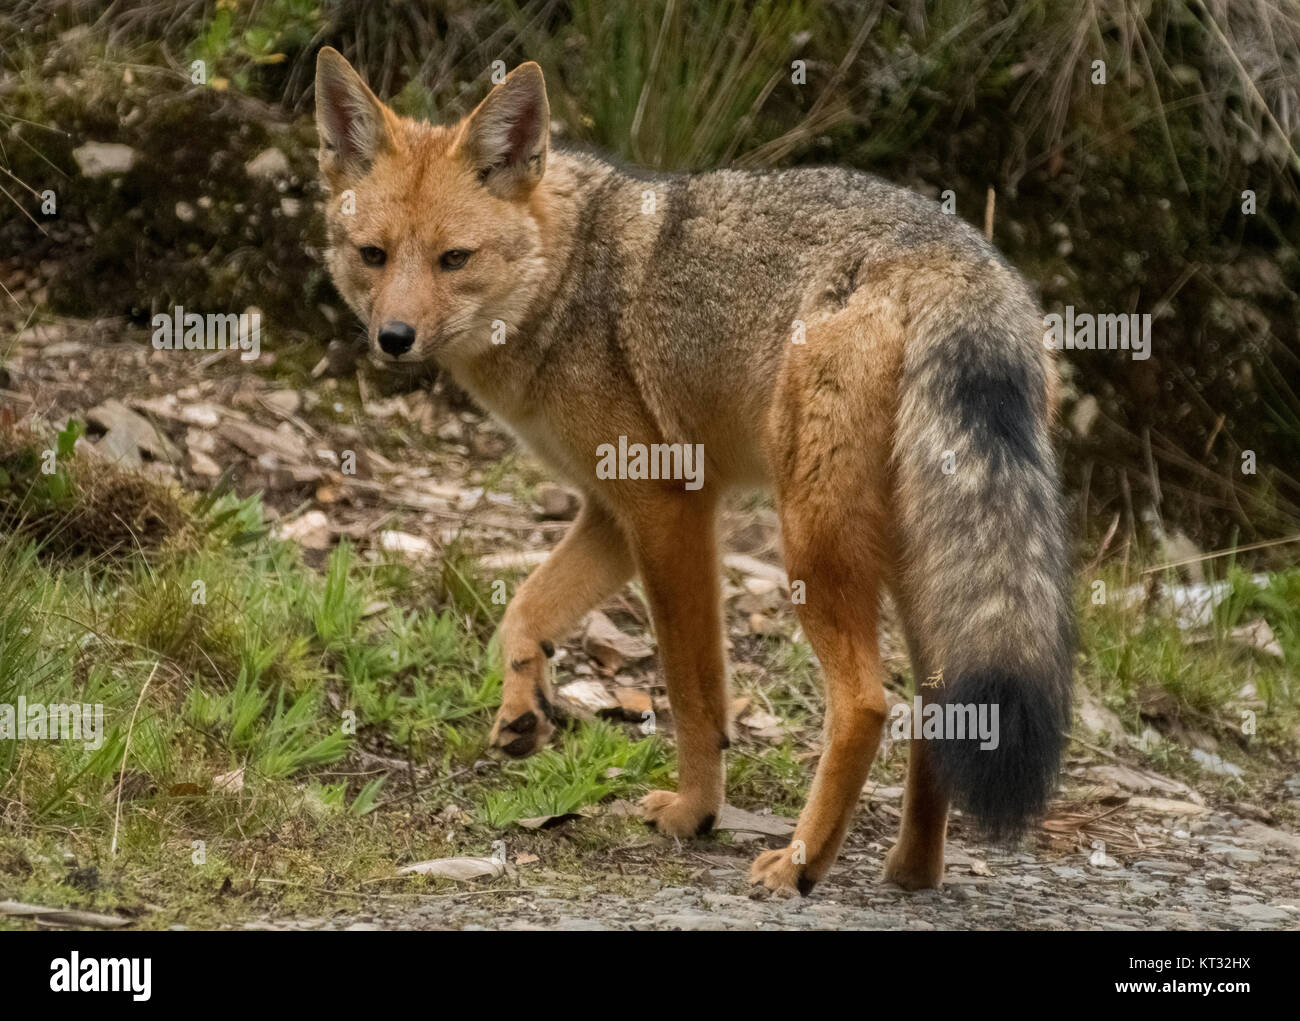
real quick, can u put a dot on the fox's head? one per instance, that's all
(434, 230)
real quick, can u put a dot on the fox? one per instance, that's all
(818, 334)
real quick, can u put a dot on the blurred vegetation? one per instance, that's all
(1116, 197)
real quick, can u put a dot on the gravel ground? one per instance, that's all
(1226, 873)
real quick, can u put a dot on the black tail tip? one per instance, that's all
(1003, 771)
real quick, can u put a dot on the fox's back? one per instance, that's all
(705, 280)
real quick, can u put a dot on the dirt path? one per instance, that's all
(1229, 873)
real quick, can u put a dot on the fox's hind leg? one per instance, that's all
(590, 563)
(839, 619)
(830, 447)
(916, 861)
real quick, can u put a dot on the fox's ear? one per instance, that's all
(349, 117)
(507, 135)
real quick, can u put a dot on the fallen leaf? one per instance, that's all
(609, 646)
(462, 869)
(547, 822)
(229, 783)
(586, 696)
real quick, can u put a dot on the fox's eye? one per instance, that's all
(454, 259)
(372, 256)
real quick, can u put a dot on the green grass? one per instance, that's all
(359, 695)
(353, 702)
(1134, 657)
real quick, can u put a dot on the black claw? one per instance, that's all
(548, 648)
(705, 825)
(519, 747)
(805, 885)
(524, 723)
(724, 743)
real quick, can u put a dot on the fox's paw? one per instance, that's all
(780, 873)
(675, 816)
(912, 873)
(523, 727)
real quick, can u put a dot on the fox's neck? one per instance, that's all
(500, 376)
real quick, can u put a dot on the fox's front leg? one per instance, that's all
(675, 547)
(591, 563)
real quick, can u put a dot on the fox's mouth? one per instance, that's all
(413, 359)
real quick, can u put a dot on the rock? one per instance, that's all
(1261, 912)
(556, 503)
(201, 464)
(311, 531)
(206, 416)
(282, 444)
(1259, 635)
(1270, 836)
(1141, 780)
(1213, 763)
(609, 646)
(1230, 854)
(1095, 718)
(268, 165)
(118, 448)
(733, 818)
(286, 402)
(104, 159)
(46, 335)
(404, 542)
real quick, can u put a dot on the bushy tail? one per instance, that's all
(986, 582)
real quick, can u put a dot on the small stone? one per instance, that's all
(268, 164)
(104, 159)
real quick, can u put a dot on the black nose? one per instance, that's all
(396, 338)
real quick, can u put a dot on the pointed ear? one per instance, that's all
(350, 119)
(506, 138)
